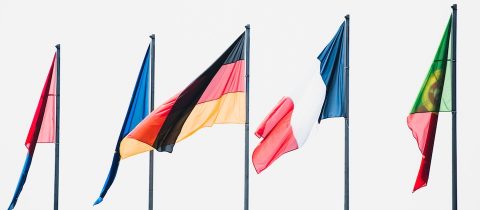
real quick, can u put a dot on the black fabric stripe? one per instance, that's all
(189, 97)
(236, 53)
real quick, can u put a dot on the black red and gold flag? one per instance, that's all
(217, 96)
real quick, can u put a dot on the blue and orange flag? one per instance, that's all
(137, 110)
(42, 129)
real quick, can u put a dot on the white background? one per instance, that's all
(103, 43)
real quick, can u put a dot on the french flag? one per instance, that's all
(288, 125)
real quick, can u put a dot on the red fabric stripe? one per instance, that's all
(230, 78)
(147, 130)
(278, 136)
(47, 130)
(35, 127)
(423, 126)
(284, 106)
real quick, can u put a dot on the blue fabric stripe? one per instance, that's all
(137, 111)
(332, 72)
(21, 181)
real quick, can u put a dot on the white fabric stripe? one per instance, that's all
(307, 107)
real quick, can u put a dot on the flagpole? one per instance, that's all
(454, 107)
(347, 115)
(152, 106)
(247, 136)
(57, 131)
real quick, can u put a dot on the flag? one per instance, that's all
(434, 97)
(137, 111)
(332, 66)
(42, 129)
(289, 124)
(217, 96)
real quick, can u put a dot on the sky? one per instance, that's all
(103, 43)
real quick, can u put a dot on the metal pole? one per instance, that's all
(247, 136)
(347, 115)
(152, 106)
(57, 131)
(454, 107)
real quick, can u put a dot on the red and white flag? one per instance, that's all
(288, 125)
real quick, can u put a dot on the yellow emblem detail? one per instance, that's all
(431, 91)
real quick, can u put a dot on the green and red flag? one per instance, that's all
(434, 97)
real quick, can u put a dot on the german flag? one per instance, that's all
(217, 96)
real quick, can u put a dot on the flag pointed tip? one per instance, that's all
(99, 200)
(418, 186)
(258, 170)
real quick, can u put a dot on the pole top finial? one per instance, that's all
(454, 6)
(347, 16)
(57, 46)
(247, 26)
(152, 36)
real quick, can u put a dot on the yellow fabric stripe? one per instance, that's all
(130, 147)
(228, 109)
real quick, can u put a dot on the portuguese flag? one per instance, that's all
(217, 96)
(434, 97)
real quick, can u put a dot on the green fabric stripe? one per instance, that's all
(446, 103)
(435, 94)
